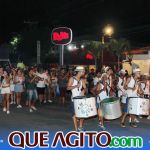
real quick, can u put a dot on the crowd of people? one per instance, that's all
(47, 85)
(32, 84)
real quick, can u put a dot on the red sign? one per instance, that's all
(89, 56)
(61, 36)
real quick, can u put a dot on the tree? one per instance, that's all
(96, 47)
(117, 47)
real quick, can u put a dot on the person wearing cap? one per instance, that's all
(120, 86)
(132, 90)
(101, 94)
(110, 85)
(78, 88)
(145, 85)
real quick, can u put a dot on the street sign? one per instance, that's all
(61, 36)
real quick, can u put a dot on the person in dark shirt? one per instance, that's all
(31, 80)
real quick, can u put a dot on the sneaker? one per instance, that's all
(14, 102)
(4, 109)
(140, 117)
(81, 129)
(19, 106)
(133, 124)
(102, 127)
(50, 101)
(8, 112)
(30, 110)
(45, 102)
(136, 120)
(11, 102)
(123, 125)
(148, 117)
(33, 107)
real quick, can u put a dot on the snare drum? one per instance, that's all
(111, 108)
(84, 107)
(138, 106)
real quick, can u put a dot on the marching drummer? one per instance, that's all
(78, 88)
(110, 86)
(120, 86)
(121, 81)
(132, 89)
(102, 94)
(145, 85)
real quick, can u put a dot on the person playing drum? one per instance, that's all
(132, 89)
(78, 88)
(120, 86)
(110, 85)
(145, 85)
(102, 94)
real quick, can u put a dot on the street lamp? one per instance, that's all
(107, 31)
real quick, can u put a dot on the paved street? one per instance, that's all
(57, 117)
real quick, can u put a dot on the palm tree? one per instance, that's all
(118, 47)
(95, 48)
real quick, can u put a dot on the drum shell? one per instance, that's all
(111, 110)
(138, 106)
(85, 107)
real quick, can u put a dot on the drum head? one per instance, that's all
(109, 100)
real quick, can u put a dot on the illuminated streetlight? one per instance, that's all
(70, 47)
(107, 31)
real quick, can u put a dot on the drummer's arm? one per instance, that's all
(126, 83)
(70, 83)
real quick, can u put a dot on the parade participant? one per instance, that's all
(54, 84)
(110, 85)
(62, 82)
(1, 78)
(40, 84)
(12, 86)
(145, 85)
(101, 94)
(78, 88)
(120, 86)
(31, 80)
(47, 80)
(19, 86)
(132, 89)
(5, 91)
(90, 79)
(97, 78)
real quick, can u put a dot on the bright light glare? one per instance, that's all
(82, 46)
(108, 30)
(70, 47)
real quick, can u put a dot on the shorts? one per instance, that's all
(40, 91)
(32, 95)
(18, 88)
(62, 91)
(12, 87)
(125, 106)
(5, 90)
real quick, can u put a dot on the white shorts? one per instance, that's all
(12, 87)
(5, 90)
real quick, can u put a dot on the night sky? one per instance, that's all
(130, 18)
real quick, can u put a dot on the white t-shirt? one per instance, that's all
(96, 80)
(41, 83)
